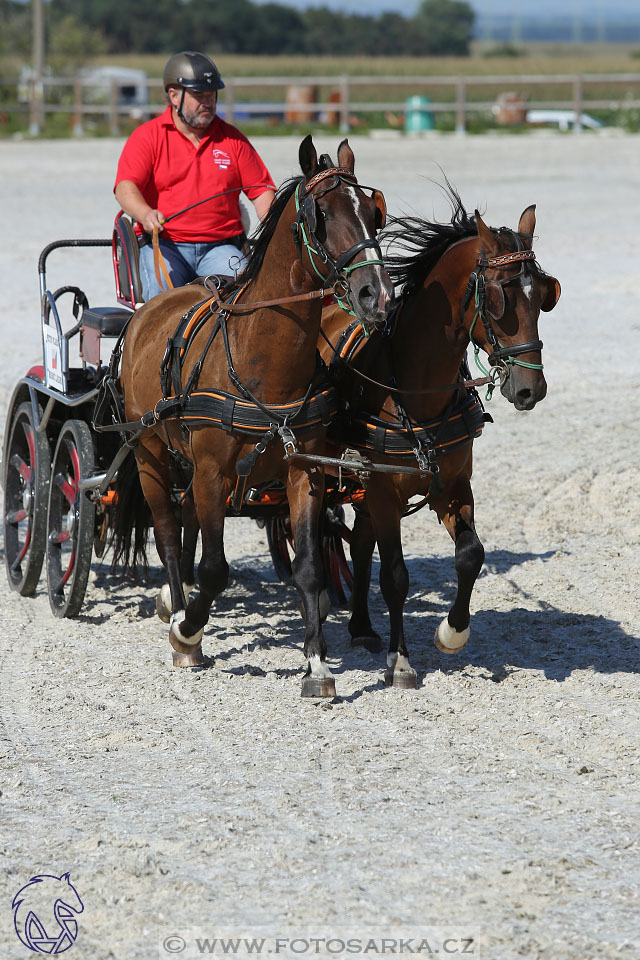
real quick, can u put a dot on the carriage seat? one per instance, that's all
(108, 320)
(96, 323)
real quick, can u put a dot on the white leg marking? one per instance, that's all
(448, 640)
(319, 668)
(176, 619)
(398, 662)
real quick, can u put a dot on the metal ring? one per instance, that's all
(500, 373)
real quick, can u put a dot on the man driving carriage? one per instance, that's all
(183, 156)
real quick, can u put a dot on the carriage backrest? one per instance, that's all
(126, 262)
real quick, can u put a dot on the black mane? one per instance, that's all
(422, 242)
(260, 240)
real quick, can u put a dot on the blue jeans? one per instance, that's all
(186, 261)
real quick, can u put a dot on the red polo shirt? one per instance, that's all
(172, 173)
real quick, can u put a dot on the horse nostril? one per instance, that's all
(366, 296)
(525, 399)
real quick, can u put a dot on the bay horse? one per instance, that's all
(257, 360)
(462, 283)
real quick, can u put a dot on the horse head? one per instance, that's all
(335, 232)
(510, 292)
(44, 913)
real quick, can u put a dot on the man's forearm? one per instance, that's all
(132, 202)
(263, 202)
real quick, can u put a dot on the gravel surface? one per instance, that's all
(498, 802)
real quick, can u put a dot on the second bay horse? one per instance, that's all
(461, 283)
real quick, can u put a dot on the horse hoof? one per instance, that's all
(401, 679)
(192, 659)
(449, 640)
(183, 644)
(163, 604)
(370, 641)
(318, 687)
(163, 600)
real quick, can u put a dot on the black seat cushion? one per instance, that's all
(108, 320)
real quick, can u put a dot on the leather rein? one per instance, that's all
(303, 231)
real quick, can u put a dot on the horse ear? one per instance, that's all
(487, 238)
(308, 157)
(346, 158)
(527, 223)
(551, 294)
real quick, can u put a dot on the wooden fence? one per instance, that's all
(347, 97)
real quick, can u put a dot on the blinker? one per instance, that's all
(494, 300)
(310, 214)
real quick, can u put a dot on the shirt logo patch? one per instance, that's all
(221, 159)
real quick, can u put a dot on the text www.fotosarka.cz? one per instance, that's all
(425, 942)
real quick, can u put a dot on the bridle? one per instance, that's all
(303, 231)
(483, 290)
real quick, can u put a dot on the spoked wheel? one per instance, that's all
(336, 565)
(338, 571)
(27, 469)
(280, 540)
(70, 520)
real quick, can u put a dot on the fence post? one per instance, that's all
(36, 106)
(345, 107)
(78, 128)
(461, 100)
(578, 99)
(114, 127)
(229, 89)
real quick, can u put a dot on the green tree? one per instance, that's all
(72, 44)
(443, 27)
(278, 29)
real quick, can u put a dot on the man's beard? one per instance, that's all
(200, 118)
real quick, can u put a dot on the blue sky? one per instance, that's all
(608, 8)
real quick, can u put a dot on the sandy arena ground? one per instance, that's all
(500, 801)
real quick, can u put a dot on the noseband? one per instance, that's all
(303, 231)
(500, 358)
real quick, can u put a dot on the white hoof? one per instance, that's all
(400, 673)
(176, 619)
(448, 640)
(163, 600)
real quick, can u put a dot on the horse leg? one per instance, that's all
(305, 490)
(387, 509)
(455, 509)
(190, 531)
(363, 541)
(152, 458)
(210, 498)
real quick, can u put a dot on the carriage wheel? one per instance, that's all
(70, 520)
(280, 540)
(336, 565)
(27, 469)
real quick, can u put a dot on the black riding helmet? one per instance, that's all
(192, 71)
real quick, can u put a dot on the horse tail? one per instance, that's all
(130, 522)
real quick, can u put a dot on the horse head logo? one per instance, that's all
(44, 914)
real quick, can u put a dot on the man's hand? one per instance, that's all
(151, 220)
(132, 202)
